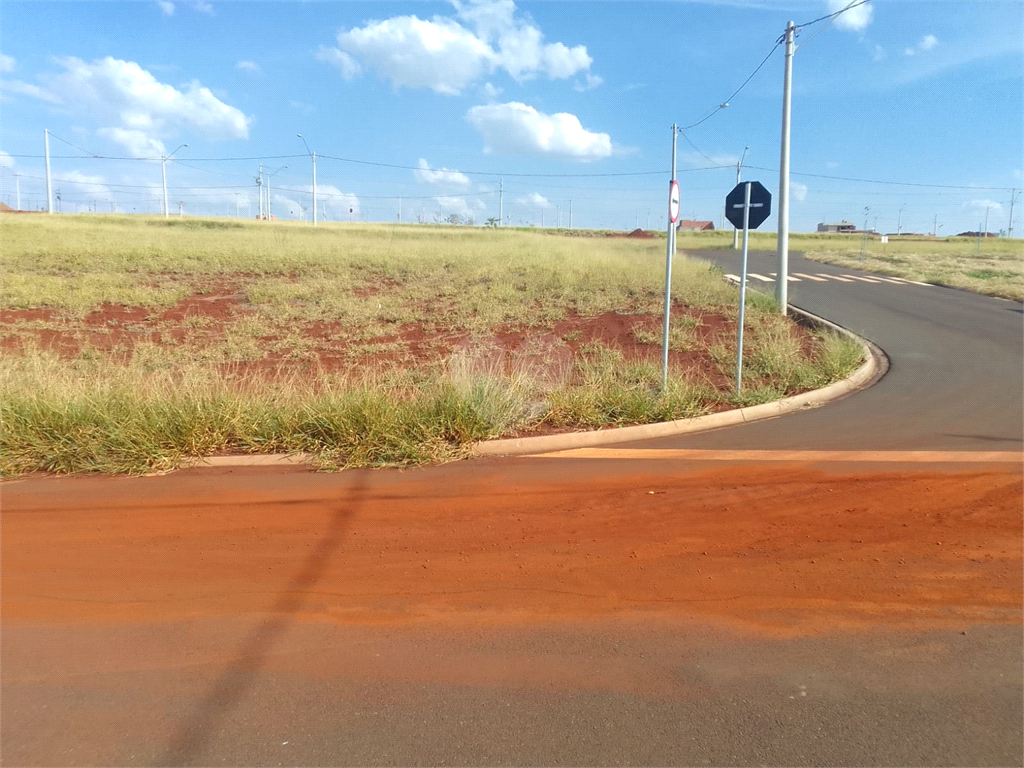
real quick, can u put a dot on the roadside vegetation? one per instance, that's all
(992, 266)
(132, 344)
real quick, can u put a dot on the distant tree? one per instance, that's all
(492, 221)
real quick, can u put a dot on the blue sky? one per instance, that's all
(554, 101)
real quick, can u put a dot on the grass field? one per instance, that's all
(995, 266)
(132, 343)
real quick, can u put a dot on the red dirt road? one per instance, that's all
(789, 549)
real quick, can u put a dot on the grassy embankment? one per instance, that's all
(189, 389)
(994, 267)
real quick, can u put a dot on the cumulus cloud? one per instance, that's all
(984, 205)
(447, 54)
(249, 66)
(6, 161)
(202, 7)
(343, 62)
(798, 190)
(166, 7)
(534, 198)
(144, 111)
(95, 186)
(439, 176)
(6, 63)
(490, 92)
(926, 43)
(465, 207)
(589, 82)
(518, 129)
(856, 18)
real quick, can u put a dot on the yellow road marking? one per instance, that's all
(685, 454)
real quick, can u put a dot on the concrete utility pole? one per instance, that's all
(17, 185)
(570, 213)
(259, 191)
(46, 146)
(783, 240)
(163, 173)
(739, 167)
(935, 225)
(181, 209)
(1009, 228)
(312, 155)
(669, 253)
(501, 199)
(899, 221)
(270, 204)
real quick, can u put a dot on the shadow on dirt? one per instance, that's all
(188, 744)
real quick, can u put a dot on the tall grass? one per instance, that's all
(172, 400)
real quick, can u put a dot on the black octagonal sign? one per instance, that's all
(760, 204)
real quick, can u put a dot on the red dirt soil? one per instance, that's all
(783, 549)
(116, 330)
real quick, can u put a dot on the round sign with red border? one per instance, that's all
(673, 201)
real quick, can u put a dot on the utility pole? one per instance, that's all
(501, 196)
(46, 146)
(670, 252)
(739, 167)
(987, 209)
(570, 213)
(899, 221)
(864, 238)
(935, 225)
(783, 240)
(163, 173)
(17, 185)
(312, 155)
(259, 190)
(181, 209)
(1009, 229)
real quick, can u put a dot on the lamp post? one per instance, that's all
(312, 154)
(270, 205)
(735, 231)
(163, 172)
(899, 221)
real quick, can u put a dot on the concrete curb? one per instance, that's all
(876, 365)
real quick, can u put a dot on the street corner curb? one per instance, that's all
(875, 366)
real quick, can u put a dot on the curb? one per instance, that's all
(873, 369)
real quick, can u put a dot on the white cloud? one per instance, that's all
(463, 206)
(534, 198)
(878, 53)
(6, 63)
(144, 110)
(166, 7)
(345, 64)
(6, 161)
(444, 55)
(590, 82)
(249, 66)
(335, 201)
(138, 143)
(799, 191)
(517, 129)
(926, 43)
(856, 18)
(28, 89)
(94, 186)
(202, 7)
(985, 205)
(490, 92)
(439, 176)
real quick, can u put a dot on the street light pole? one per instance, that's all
(735, 231)
(312, 155)
(899, 221)
(163, 173)
(270, 206)
(49, 195)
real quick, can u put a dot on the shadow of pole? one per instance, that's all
(194, 735)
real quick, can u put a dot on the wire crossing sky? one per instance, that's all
(425, 110)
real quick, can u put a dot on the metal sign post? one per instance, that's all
(673, 216)
(749, 214)
(743, 288)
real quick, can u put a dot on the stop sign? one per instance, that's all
(760, 204)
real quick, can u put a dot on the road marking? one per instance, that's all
(865, 279)
(912, 282)
(892, 280)
(811, 277)
(686, 454)
(835, 277)
(762, 278)
(790, 278)
(734, 278)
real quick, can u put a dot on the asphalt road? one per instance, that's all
(956, 377)
(266, 688)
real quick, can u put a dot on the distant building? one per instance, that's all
(977, 234)
(842, 227)
(685, 225)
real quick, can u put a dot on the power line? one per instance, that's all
(80, 149)
(841, 11)
(494, 173)
(725, 103)
(879, 181)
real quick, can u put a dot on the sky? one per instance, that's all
(906, 115)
